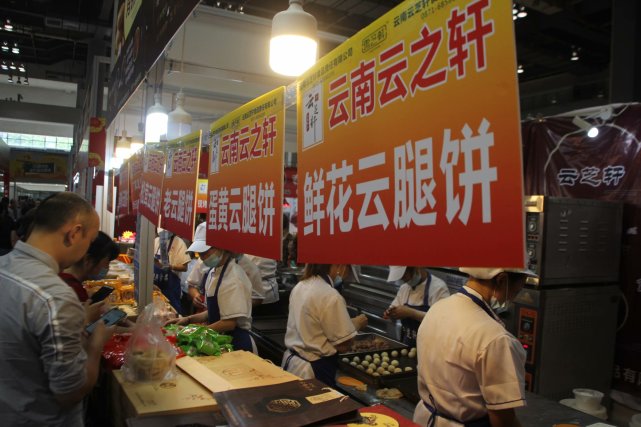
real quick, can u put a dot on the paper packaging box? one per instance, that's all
(294, 403)
(171, 397)
(238, 369)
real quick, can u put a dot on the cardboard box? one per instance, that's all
(238, 369)
(171, 397)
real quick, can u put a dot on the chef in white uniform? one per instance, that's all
(419, 290)
(318, 326)
(470, 368)
(253, 273)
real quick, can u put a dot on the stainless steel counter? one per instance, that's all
(539, 412)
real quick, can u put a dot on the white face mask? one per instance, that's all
(495, 305)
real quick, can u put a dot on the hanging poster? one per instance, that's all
(246, 177)
(123, 190)
(153, 171)
(178, 194)
(409, 141)
(136, 162)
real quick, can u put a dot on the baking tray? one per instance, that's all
(404, 361)
(270, 323)
(385, 344)
(407, 385)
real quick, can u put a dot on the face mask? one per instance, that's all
(414, 281)
(100, 275)
(338, 282)
(213, 260)
(499, 307)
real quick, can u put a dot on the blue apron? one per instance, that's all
(481, 422)
(168, 282)
(325, 367)
(409, 327)
(241, 339)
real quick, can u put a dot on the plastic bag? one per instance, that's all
(149, 356)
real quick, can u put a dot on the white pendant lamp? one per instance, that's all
(156, 122)
(123, 148)
(294, 46)
(179, 123)
(136, 144)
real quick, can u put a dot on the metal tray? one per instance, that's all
(407, 385)
(389, 345)
(404, 361)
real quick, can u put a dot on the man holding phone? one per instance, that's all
(46, 366)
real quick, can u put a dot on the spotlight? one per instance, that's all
(522, 12)
(12, 66)
(21, 68)
(15, 48)
(5, 46)
(520, 69)
(592, 131)
(575, 54)
(10, 79)
(26, 81)
(4, 65)
(8, 26)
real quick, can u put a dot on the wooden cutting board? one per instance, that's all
(238, 369)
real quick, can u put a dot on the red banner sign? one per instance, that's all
(179, 186)
(123, 190)
(153, 171)
(246, 177)
(409, 141)
(136, 168)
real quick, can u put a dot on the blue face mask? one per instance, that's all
(338, 282)
(100, 275)
(213, 260)
(415, 281)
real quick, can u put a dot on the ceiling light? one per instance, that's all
(293, 47)
(522, 12)
(582, 124)
(179, 120)
(4, 65)
(520, 69)
(15, 48)
(515, 10)
(156, 121)
(575, 54)
(136, 144)
(8, 26)
(5, 46)
(123, 148)
(12, 66)
(21, 68)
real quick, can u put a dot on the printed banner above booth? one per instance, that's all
(246, 177)
(179, 185)
(123, 190)
(143, 30)
(153, 172)
(409, 141)
(135, 169)
(38, 166)
(97, 143)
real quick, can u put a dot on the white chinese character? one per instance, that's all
(180, 217)
(223, 206)
(249, 209)
(629, 375)
(166, 211)
(174, 204)
(449, 158)
(612, 175)
(368, 188)
(189, 207)
(412, 192)
(213, 210)
(267, 210)
(567, 176)
(482, 176)
(234, 207)
(338, 211)
(589, 176)
(308, 208)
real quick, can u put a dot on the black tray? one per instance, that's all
(390, 345)
(372, 380)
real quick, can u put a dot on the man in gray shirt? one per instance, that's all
(46, 365)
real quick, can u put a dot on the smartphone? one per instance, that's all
(111, 317)
(101, 294)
